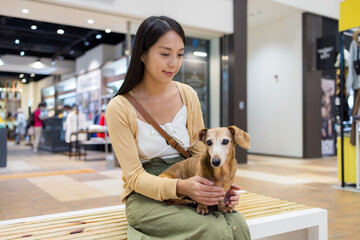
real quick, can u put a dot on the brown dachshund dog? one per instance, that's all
(217, 163)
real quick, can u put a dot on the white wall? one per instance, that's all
(275, 106)
(95, 57)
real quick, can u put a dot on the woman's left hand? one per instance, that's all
(232, 197)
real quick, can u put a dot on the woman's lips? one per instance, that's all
(170, 74)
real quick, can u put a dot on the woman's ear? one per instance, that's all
(142, 58)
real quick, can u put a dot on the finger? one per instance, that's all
(236, 187)
(204, 181)
(215, 189)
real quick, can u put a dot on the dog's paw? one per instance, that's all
(202, 210)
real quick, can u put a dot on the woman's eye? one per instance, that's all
(209, 142)
(181, 55)
(165, 54)
(225, 142)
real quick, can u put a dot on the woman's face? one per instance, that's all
(163, 60)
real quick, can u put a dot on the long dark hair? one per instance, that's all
(150, 30)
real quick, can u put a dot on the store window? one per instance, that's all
(113, 77)
(195, 71)
(65, 94)
(48, 96)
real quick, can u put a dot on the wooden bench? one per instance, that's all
(266, 217)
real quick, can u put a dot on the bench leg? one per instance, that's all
(319, 232)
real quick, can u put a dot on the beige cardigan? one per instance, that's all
(122, 125)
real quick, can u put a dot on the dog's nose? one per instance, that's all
(215, 162)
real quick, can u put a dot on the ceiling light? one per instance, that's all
(26, 11)
(22, 53)
(90, 21)
(17, 41)
(38, 64)
(98, 36)
(72, 52)
(32, 75)
(24, 80)
(21, 75)
(33, 27)
(86, 43)
(60, 31)
(108, 30)
(1, 62)
(200, 54)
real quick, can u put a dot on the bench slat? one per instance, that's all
(112, 224)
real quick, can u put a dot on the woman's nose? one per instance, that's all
(172, 61)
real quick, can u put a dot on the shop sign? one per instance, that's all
(325, 53)
(89, 82)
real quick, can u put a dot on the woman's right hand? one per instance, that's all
(200, 190)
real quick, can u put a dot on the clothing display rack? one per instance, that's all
(348, 20)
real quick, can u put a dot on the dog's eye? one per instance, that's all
(209, 142)
(225, 142)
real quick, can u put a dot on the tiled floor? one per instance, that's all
(48, 183)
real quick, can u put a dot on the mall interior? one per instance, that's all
(286, 72)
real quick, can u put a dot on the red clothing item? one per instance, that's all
(101, 123)
(37, 120)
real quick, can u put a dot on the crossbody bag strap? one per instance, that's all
(169, 140)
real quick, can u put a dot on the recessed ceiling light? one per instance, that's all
(32, 75)
(33, 27)
(26, 11)
(90, 21)
(86, 43)
(108, 30)
(21, 75)
(17, 41)
(60, 31)
(71, 52)
(22, 53)
(98, 36)
(23, 80)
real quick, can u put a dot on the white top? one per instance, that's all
(151, 144)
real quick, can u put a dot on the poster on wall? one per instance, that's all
(328, 133)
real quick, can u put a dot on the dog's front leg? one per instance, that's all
(179, 202)
(202, 209)
(223, 208)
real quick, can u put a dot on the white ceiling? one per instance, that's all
(265, 11)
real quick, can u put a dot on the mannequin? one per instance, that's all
(353, 79)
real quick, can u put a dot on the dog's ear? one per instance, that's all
(241, 137)
(202, 135)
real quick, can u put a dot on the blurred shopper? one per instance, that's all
(64, 115)
(38, 125)
(102, 121)
(20, 125)
(75, 121)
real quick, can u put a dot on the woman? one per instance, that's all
(156, 58)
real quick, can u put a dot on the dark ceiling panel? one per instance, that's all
(44, 41)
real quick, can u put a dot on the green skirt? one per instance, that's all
(151, 219)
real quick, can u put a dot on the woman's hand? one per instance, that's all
(200, 190)
(232, 197)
